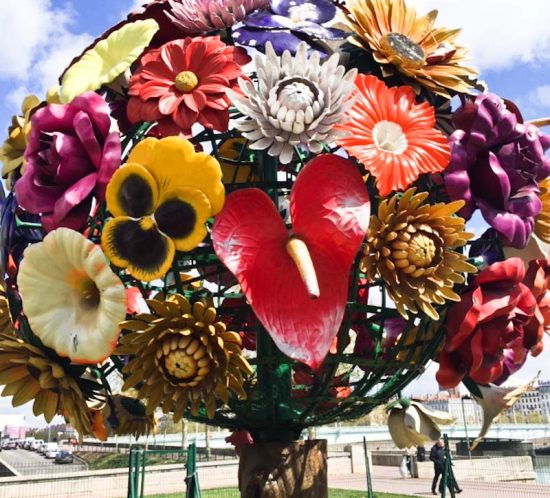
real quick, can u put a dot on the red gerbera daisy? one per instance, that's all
(392, 136)
(184, 82)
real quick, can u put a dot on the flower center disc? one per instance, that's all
(186, 81)
(297, 94)
(389, 137)
(180, 365)
(87, 293)
(401, 50)
(421, 251)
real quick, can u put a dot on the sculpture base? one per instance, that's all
(284, 470)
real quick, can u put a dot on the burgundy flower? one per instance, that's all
(498, 313)
(71, 157)
(496, 164)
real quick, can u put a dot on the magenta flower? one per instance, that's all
(70, 158)
(496, 164)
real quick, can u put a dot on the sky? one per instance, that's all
(509, 42)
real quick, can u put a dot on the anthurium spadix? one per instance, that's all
(297, 281)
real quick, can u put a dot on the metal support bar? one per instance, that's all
(367, 465)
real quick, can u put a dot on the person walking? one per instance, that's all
(437, 456)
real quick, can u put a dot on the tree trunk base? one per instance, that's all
(284, 470)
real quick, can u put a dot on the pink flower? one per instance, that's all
(70, 158)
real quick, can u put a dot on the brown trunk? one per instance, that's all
(284, 470)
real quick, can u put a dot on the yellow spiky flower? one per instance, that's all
(182, 356)
(400, 38)
(126, 415)
(542, 221)
(29, 374)
(410, 245)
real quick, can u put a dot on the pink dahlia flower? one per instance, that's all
(70, 158)
(195, 17)
(185, 82)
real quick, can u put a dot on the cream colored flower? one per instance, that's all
(107, 59)
(297, 101)
(71, 297)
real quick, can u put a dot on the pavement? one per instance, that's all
(30, 463)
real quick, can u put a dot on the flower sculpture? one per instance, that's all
(73, 301)
(499, 312)
(298, 101)
(393, 137)
(190, 213)
(287, 23)
(185, 82)
(107, 59)
(496, 166)
(411, 246)
(160, 201)
(186, 356)
(30, 375)
(13, 149)
(411, 424)
(194, 17)
(71, 156)
(315, 259)
(399, 38)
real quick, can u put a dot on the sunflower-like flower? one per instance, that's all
(13, 149)
(107, 59)
(542, 220)
(195, 17)
(29, 374)
(410, 245)
(298, 101)
(71, 297)
(397, 36)
(393, 137)
(182, 356)
(160, 200)
(127, 415)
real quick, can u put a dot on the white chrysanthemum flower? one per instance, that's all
(298, 101)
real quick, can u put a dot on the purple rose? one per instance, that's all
(496, 164)
(70, 158)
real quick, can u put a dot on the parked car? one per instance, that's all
(41, 448)
(50, 450)
(36, 444)
(64, 456)
(10, 445)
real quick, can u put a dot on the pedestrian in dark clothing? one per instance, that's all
(437, 456)
(421, 454)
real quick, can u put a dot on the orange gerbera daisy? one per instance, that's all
(399, 37)
(392, 136)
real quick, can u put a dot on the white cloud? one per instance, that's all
(44, 45)
(498, 33)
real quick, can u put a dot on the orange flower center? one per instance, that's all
(421, 251)
(389, 137)
(402, 51)
(186, 81)
(180, 364)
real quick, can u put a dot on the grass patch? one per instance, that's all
(234, 493)
(98, 461)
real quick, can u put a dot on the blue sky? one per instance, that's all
(509, 42)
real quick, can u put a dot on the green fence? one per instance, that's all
(137, 465)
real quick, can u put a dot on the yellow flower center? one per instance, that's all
(180, 365)
(186, 81)
(421, 251)
(147, 223)
(402, 51)
(86, 292)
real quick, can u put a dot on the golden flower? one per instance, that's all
(182, 356)
(127, 415)
(235, 168)
(11, 152)
(71, 297)
(416, 341)
(397, 35)
(108, 58)
(160, 200)
(542, 220)
(6, 325)
(29, 374)
(410, 245)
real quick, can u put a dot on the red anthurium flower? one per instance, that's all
(497, 314)
(185, 82)
(297, 283)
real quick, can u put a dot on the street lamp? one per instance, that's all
(462, 398)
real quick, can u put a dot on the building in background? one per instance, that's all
(451, 402)
(13, 425)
